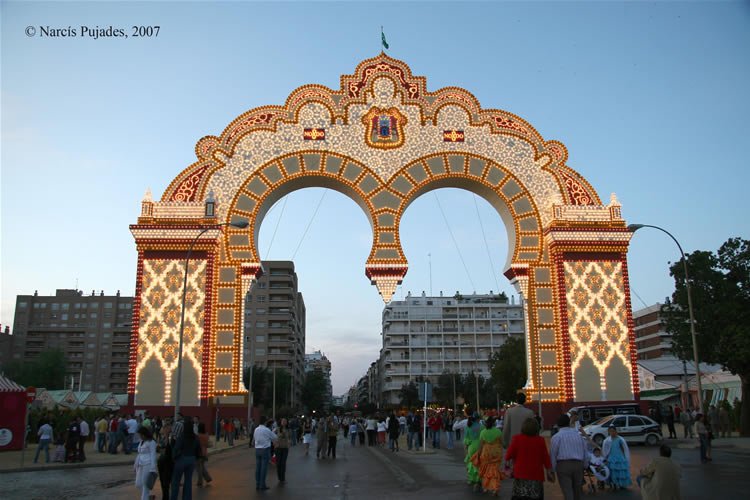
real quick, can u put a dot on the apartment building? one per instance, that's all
(430, 335)
(92, 330)
(651, 337)
(275, 323)
(318, 362)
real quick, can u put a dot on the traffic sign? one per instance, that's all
(425, 391)
(30, 394)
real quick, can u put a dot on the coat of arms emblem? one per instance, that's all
(384, 128)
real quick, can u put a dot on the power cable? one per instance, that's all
(486, 245)
(460, 256)
(278, 221)
(639, 297)
(309, 224)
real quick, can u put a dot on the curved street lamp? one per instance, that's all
(635, 227)
(240, 225)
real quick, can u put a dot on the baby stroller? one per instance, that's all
(596, 476)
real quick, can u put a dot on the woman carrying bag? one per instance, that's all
(200, 462)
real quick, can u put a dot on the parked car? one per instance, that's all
(592, 413)
(633, 428)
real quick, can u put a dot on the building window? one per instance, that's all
(92, 315)
(260, 324)
(260, 338)
(55, 306)
(106, 325)
(108, 305)
(37, 305)
(23, 305)
(64, 316)
(260, 311)
(261, 298)
(65, 307)
(93, 305)
(260, 351)
(77, 305)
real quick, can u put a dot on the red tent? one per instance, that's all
(12, 414)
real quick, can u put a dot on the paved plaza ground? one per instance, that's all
(359, 473)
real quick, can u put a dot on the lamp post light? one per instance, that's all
(635, 227)
(209, 213)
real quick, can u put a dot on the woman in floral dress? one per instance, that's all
(489, 457)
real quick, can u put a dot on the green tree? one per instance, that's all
(443, 391)
(409, 395)
(508, 368)
(263, 386)
(47, 371)
(720, 285)
(314, 391)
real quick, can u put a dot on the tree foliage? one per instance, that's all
(314, 391)
(409, 395)
(508, 368)
(263, 386)
(720, 286)
(47, 371)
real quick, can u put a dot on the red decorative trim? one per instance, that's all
(567, 389)
(188, 188)
(631, 327)
(579, 195)
(585, 229)
(453, 136)
(591, 256)
(411, 88)
(174, 255)
(256, 270)
(515, 272)
(206, 368)
(135, 326)
(314, 134)
(374, 272)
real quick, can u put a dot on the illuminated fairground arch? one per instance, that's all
(383, 140)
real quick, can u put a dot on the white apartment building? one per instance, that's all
(430, 335)
(317, 361)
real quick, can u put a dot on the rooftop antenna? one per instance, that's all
(429, 258)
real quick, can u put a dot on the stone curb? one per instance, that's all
(129, 461)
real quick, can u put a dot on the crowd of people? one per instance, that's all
(496, 447)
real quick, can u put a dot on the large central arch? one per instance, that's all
(383, 140)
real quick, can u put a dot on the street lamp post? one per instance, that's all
(240, 225)
(633, 228)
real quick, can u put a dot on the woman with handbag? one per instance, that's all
(185, 451)
(200, 462)
(145, 463)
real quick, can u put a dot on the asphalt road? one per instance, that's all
(363, 473)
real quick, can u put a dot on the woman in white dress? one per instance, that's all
(145, 463)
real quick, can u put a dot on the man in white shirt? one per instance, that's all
(132, 425)
(263, 436)
(569, 457)
(45, 433)
(82, 438)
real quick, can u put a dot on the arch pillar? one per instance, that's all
(595, 326)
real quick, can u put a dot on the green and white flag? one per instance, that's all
(382, 39)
